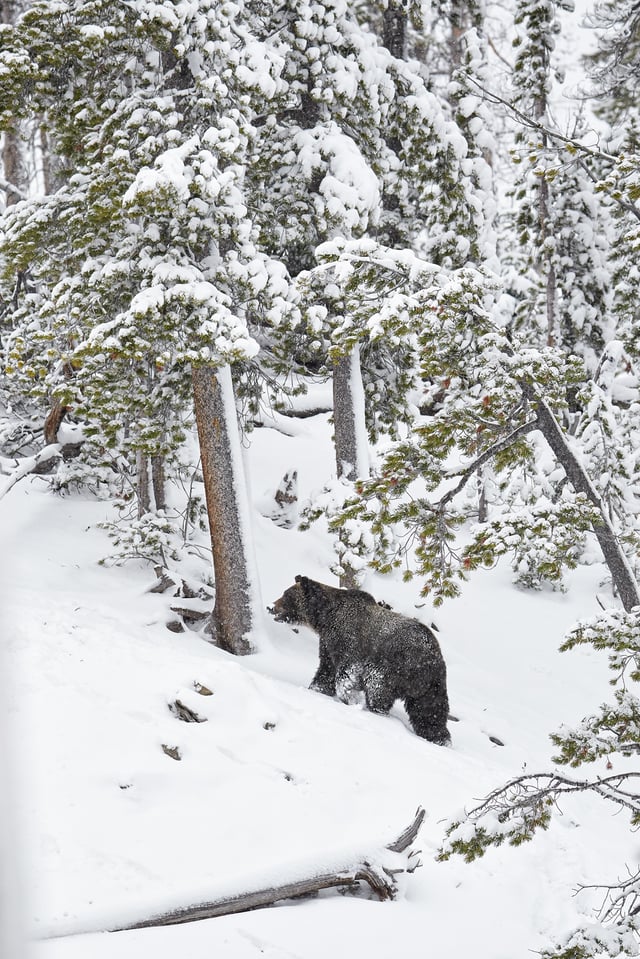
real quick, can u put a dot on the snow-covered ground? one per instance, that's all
(279, 781)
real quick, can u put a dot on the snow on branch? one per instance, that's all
(516, 810)
(31, 464)
(379, 870)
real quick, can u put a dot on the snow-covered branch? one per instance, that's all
(31, 464)
(516, 810)
(486, 457)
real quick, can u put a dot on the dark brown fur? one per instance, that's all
(367, 647)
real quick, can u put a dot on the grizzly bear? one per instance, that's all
(366, 647)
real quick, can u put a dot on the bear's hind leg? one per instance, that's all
(428, 717)
(379, 696)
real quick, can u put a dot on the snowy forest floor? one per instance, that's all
(280, 781)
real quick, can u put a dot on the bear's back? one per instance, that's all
(380, 633)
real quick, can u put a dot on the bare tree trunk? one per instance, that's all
(14, 164)
(158, 482)
(51, 162)
(352, 454)
(236, 581)
(622, 575)
(14, 161)
(142, 483)
(394, 28)
(53, 421)
(551, 293)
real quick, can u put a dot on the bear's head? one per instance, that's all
(294, 606)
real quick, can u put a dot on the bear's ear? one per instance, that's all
(298, 579)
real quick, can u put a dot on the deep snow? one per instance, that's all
(115, 830)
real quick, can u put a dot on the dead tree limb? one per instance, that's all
(397, 857)
(32, 464)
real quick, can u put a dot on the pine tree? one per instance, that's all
(498, 400)
(561, 278)
(490, 391)
(156, 271)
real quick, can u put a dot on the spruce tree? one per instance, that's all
(560, 279)
(607, 439)
(145, 261)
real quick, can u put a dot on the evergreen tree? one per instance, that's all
(156, 271)
(606, 437)
(560, 277)
(489, 391)
(361, 148)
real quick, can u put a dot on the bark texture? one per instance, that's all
(394, 28)
(352, 460)
(348, 416)
(224, 487)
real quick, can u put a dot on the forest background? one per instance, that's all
(222, 219)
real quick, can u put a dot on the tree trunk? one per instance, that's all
(51, 163)
(623, 578)
(394, 28)
(551, 292)
(237, 594)
(350, 438)
(53, 421)
(14, 162)
(352, 454)
(158, 482)
(142, 483)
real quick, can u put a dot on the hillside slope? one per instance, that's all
(279, 781)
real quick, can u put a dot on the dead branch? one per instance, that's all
(380, 876)
(533, 788)
(164, 582)
(32, 464)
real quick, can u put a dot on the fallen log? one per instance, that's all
(395, 858)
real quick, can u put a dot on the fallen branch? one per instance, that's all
(380, 877)
(32, 464)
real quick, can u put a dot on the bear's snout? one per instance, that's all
(277, 611)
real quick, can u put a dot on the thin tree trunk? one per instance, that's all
(394, 28)
(352, 455)
(615, 558)
(158, 482)
(551, 293)
(14, 162)
(237, 602)
(51, 162)
(142, 483)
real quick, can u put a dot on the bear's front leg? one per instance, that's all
(324, 680)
